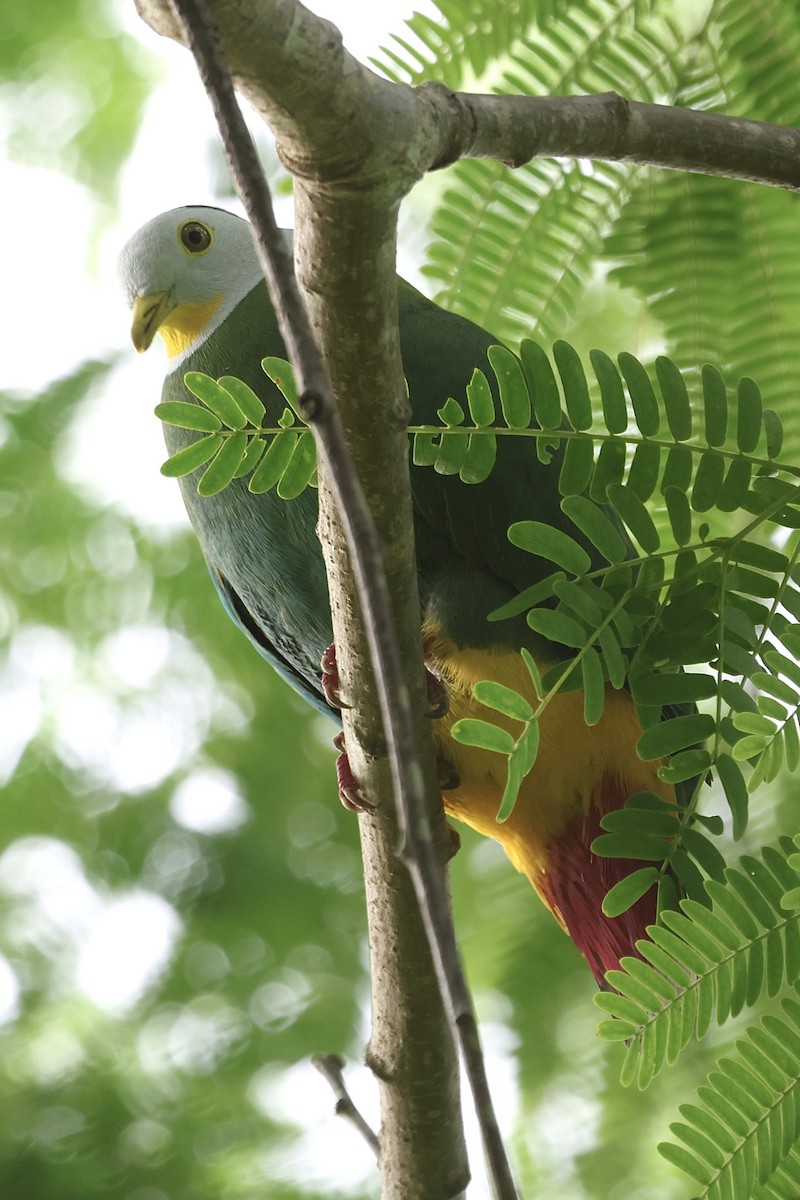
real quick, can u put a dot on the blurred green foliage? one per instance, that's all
(267, 967)
(74, 85)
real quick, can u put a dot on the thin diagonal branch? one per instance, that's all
(319, 408)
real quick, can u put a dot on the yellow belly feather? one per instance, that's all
(572, 762)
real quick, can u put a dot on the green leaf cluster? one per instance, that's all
(705, 965)
(642, 594)
(458, 451)
(75, 84)
(713, 263)
(520, 751)
(235, 443)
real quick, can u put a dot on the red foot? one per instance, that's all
(349, 791)
(438, 694)
(330, 678)
(438, 691)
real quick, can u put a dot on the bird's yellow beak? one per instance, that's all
(148, 314)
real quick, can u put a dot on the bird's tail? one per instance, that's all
(575, 881)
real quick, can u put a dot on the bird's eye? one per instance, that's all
(195, 237)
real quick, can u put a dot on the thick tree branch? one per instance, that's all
(432, 126)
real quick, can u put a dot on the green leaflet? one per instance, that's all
(451, 454)
(542, 384)
(282, 375)
(191, 457)
(625, 894)
(773, 428)
(550, 543)
(484, 735)
(708, 480)
(748, 416)
(480, 399)
(680, 514)
(557, 627)
(615, 410)
(187, 416)
(425, 449)
(644, 470)
(576, 389)
(635, 515)
(593, 522)
(251, 457)
(300, 468)
(659, 687)
(676, 399)
(514, 397)
(503, 700)
(479, 458)
(593, 677)
(642, 394)
(609, 470)
(245, 398)
(733, 493)
(451, 413)
(576, 467)
(274, 462)
(715, 406)
(223, 466)
(678, 733)
(216, 398)
(678, 469)
(686, 765)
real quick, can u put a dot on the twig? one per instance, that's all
(331, 1066)
(319, 409)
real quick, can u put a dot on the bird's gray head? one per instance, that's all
(183, 273)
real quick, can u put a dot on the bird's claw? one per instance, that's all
(438, 695)
(447, 776)
(438, 703)
(452, 843)
(329, 681)
(437, 690)
(349, 791)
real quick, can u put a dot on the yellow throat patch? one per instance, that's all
(184, 325)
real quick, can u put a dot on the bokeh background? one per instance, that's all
(181, 911)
